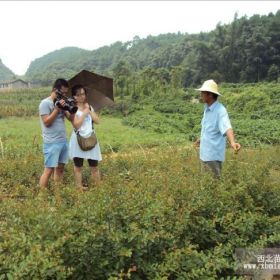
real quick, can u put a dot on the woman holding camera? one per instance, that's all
(83, 124)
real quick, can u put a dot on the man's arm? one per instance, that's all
(49, 119)
(48, 116)
(226, 130)
(230, 136)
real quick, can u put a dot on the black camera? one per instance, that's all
(70, 103)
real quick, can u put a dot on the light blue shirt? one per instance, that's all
(215, 124)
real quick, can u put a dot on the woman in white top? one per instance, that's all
(83, 122)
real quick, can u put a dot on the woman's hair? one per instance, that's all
(77, 88)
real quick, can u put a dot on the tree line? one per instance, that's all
(246, 50)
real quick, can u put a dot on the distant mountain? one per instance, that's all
(57, 63)
(138, 53)
(246, 50)
(5, 72)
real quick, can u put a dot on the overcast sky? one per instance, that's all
(31, 29)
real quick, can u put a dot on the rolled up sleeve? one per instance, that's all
(44, 108)
(224, 123)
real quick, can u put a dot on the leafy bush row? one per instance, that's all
(152, 218)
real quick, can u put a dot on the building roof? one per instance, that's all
(13, 81)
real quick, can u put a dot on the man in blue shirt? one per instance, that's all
(216, 127)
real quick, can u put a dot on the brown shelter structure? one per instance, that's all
(99, 88)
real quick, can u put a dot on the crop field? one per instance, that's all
(154, 215)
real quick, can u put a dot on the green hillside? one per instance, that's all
(247, 50)
(5, 72)
(48, 67)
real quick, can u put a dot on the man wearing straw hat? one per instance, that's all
(216, 127)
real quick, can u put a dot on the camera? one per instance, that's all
(70, 103)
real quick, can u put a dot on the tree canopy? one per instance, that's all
(246, 50)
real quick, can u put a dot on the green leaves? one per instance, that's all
(168, 221)
(155, 216)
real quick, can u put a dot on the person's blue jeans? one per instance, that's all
(55, 153)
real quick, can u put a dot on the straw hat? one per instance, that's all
(210, 86)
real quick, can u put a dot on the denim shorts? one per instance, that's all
(55, 153)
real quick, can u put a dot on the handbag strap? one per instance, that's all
(92, 122)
